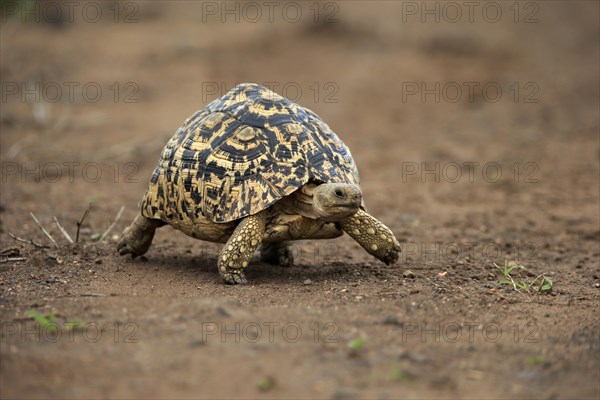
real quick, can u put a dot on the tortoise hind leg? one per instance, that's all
(239, 249)
(278, 253)
(137, 237)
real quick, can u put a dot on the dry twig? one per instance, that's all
(43, 229)
(63, 231)
(106, 232)
(80, 222)
(12, 259)
(35, 244)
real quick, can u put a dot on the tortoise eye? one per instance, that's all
(339, 193)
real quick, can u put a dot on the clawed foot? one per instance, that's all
(134, 245)
(373, 236)
(389, 252)
(234, 277)
(277, 254)
(137, 238)
(386, 248)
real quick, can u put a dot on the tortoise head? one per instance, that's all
(336, 201)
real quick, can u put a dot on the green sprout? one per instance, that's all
(96, 199)
(75, 324)
(398, 375)
(536, 360)
(356, 344)
(513, 274)
(46, 322)
(96, 236)
(265, 383)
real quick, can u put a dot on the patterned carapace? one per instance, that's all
(242, 153)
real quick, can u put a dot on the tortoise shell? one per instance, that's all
(242, 153)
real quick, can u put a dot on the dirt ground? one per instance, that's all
(477, 139)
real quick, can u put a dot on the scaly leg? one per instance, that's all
(238, 251)
(137, 238)
(376, 238)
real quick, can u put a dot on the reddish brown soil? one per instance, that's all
(339, 324)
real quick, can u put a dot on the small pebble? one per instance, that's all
(392, 320)
(197, 343)
(307, 281)
(597, 285)
(408, 274)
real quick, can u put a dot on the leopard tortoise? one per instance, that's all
(256, 169)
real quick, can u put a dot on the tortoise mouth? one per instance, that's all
(341, 212)
(348, 207)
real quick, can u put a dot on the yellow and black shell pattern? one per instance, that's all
(242, 153)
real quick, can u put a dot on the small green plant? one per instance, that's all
(265, 383)
(515, 274)
(46, 322)
(96, 236)
(495, 176)
(398, 375)
(356, 344)
(95, 199)
(536, 360)
(546, 285)
(75, 324)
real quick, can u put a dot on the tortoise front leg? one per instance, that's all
(137, 237)
(238, 251)
(373, 236)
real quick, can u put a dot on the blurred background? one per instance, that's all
(469, 122)
(399, 82)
